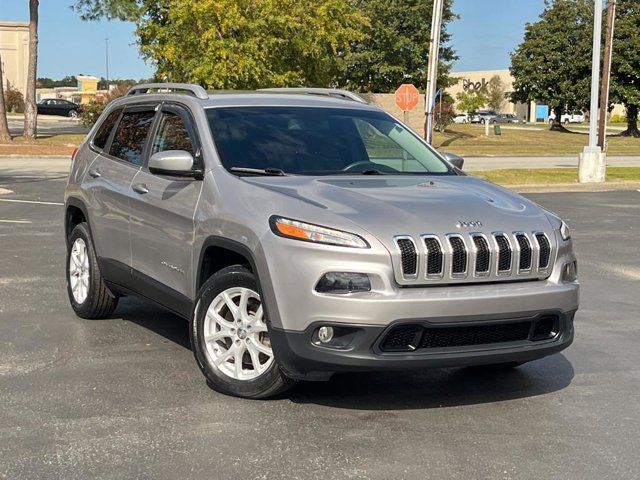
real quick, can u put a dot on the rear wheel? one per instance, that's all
(88, 294)
(73, 113)
(230, 337)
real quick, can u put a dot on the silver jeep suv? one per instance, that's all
(304, 232)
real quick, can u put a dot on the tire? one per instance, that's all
(89, 296)
(72, 114)
(567, 122)
(234, 338)
(483, 121)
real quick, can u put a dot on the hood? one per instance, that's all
(396, 205)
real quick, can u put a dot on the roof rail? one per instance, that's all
(195, 90)
(327, 92)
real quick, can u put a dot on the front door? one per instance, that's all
(162, 218)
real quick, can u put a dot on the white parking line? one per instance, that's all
(15, 221)
(29, 201)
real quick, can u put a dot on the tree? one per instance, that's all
(90, 112)
(625, 67)
(241, 44)
(396, 47)
(30, 110)
(553, 63)
(471, 101)
(5, 136)
(496, 93)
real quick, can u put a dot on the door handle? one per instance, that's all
(94, 173)
(140, 188)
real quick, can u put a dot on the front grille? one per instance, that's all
(434, 256)
(472, 257)
(475, 335)
(459, 258)
(408, 338)
(545, 250)
(402, 338)
(483, 255)
(409, 257)
(504, 253)
(525, 252)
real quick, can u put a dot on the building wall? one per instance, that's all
(470, 81)
(14, 50)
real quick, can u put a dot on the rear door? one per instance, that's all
(108, 183)
(163, 208)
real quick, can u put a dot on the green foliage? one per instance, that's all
(553, 63)
(496, 93)
(365, 45)
(89, 112)
(68, 81)
(246, 44)
(471, 101)
(13, 100)
(395, 49)
(128, 10)
(625, 73)
(618, 119)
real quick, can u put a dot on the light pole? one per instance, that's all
(592, 160)
(432, 71)
(106, 41)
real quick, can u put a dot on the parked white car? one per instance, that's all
(573, 117)
(461, 118)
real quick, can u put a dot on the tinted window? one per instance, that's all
(131, 134)
(102, 135)
(319, 141)
(172, 134)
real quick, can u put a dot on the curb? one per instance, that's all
(574, 187)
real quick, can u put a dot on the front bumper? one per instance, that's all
(301, 358)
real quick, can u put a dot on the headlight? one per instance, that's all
(307, 232)
(565, 231)
(559, 224)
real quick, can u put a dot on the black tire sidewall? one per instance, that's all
(271, 381)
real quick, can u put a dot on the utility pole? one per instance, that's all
(591, 165)
(606, 74)
(432, 70)
(106, 41)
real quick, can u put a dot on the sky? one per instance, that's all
(483, 37)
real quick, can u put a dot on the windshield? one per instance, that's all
(319, 141)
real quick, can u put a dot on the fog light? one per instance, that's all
(325, 334)
(570, 272)
(343, 283)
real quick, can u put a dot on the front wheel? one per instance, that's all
(230, 337)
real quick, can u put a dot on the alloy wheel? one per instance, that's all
(79, 271)
(236, 336)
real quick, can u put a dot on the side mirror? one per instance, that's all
(455, 160)
(172, 162)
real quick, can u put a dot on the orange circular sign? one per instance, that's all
(407, 97)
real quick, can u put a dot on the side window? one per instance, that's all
(172, 134)
(104, 130)
(131, 134)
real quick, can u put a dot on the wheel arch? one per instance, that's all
(75, 212)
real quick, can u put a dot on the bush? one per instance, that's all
(443, 118)
(13, 100)
(89, 112)
(618, 119)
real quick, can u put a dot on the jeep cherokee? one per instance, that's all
(304, 232)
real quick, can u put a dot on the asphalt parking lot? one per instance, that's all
(123, 398)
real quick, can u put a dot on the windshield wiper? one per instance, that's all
(272, 172)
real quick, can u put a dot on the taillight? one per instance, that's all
(73, 154)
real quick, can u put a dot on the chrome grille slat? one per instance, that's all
(431, 259)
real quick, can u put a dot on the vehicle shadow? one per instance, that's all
(404, 390)
(437, 388)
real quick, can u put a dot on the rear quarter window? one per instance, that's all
(104, 130)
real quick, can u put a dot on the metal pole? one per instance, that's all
(595, 74)
(432, 71)
(107, 58)
(606, 73)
